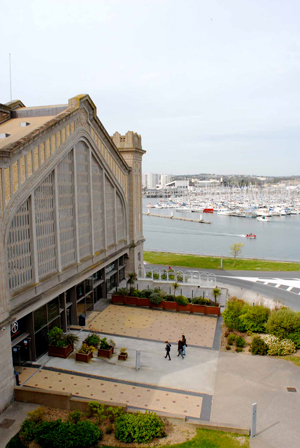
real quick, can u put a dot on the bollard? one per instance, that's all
(221, 263)
(253, 421)
(138, 360)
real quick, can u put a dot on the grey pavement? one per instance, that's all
(16, 412)
(246, 379)
(196, 373)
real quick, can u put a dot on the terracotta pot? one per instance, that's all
(184, 307)
(60, 352)
(131, 300)
(143, 301)
(118, 299)
(198, 309)
(123, 356)
(83, 357)
(169, 305)
(105, 353)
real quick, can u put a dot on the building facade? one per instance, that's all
(70, 225)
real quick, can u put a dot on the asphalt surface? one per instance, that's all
(237, 280)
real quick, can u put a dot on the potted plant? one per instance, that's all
(123, 355)
(92, 340)
(156, 300)
(85, 353)
(61, 344)
(112, 344)
(105, 349)
(183, 303)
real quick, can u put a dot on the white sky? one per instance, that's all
(212, 86)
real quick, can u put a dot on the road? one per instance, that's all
(279, 286)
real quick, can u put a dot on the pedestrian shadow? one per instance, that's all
(268, 427)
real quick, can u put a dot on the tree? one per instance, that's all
(236, 249)
(175, 286)
(132, 276)
(216, 293)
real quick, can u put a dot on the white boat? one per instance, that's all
(263, 218)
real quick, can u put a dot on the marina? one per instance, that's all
(272, 216)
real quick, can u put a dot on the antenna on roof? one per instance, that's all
(10, 77)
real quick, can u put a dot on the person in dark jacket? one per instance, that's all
(180, 349)
(168, 349)
(184, 344)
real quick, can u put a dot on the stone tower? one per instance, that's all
(130, 146)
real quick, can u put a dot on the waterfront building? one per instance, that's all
(70, 222)
(150, 180)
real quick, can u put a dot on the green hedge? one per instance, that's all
(139, 428)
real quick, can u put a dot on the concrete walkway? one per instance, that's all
(243, 380)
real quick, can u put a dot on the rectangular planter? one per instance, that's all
(118, 299)
(131, 300)
(122, 356)
(82, 357)
(198, 309)
(184, 307)
(156, 306)
(60, 352)
(169, 305)
(105, 353)
(213, 310)
(143, 302)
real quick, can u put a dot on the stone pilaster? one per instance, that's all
(130, 146)
(7, 381)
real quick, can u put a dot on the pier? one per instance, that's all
(200, 221)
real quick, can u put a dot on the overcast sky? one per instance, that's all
(212, 86)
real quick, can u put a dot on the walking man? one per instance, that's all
(184, 344)
(180, 349)
(168, 349)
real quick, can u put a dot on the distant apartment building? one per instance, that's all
(150, 180)
(165, 179)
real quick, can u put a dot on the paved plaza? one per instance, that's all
(182, 386)
(156, 325)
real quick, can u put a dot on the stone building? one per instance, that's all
(70, 222)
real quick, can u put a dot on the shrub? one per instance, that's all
(15, 442)
(68, 435)
(156, 298)
(75, 416)
(277, 347)
(92, 340)
(37, 415)
(114, 412)
(156, 276)
(231, 339)
(138, 427)
(146, 293)
(169, 298)
(283, 322)
(27, 431)
(240, 342)
(295, 337)
(122, 292)
(180, 278)
(136, 293)
(181, 300)
(95, 409)
(70, 338)
(104, 345)
(258, 346)
(149, 275)
(239, 349)
(234, 309)
(200, 301)
(85, 349)
(255, 318)
(55, 336)
(228, 347)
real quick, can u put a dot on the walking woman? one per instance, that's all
(184, 344)
(180, 349)
(168, 349)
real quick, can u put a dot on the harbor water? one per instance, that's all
(278, 239)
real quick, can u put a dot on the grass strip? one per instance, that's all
(229, 264)
(294, 359)
(208, 438)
